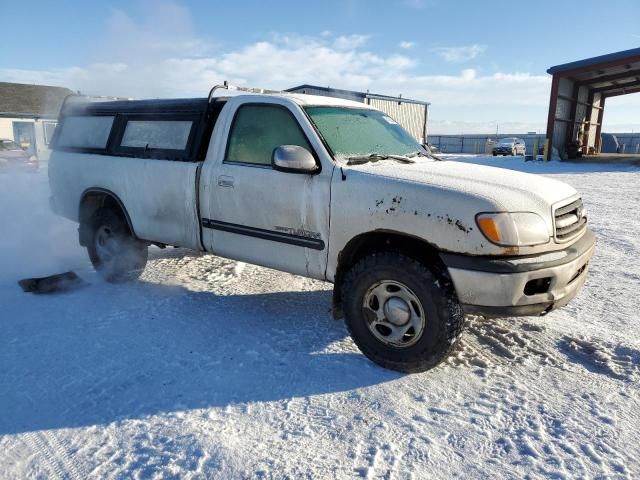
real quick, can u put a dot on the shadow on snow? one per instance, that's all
(111, 353)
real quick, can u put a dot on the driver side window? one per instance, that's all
(257, 130)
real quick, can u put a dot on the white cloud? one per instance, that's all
(147, 67)
(280, 62)
(285, 61)
(162, 29)
(134, 60)
(459, 54)
(406, 44)
(468, 95)
(349, 42)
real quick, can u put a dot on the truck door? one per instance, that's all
(256, 214)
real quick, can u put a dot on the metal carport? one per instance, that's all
(578, 93)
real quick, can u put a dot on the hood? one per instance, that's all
(508, 190)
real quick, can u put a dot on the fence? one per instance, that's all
(477, 143)
(628, 142)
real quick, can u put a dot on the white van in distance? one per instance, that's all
(329, 189)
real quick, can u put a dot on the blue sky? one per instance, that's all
(479, 63)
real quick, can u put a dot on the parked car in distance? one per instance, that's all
(329, 189)
(13, 156)
(509, 146)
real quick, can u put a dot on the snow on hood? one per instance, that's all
(508, 190)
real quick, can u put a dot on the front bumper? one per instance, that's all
(520, 286)
(501, 150)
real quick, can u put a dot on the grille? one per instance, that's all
(569, 220)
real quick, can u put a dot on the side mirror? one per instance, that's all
(293, 159)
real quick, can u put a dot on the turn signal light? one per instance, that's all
(489, 228)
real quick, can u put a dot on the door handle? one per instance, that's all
(225, 181)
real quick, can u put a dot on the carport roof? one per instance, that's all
(613, 74)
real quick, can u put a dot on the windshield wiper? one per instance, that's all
(375, 157)
(419, 153)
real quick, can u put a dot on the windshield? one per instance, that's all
(354, 132)
(9, 145)
(508, 140)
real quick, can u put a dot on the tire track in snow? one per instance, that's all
(53, 454)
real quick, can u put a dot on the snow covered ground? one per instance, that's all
(210, 368)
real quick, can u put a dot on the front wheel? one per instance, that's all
(113, 250)
(401, 314)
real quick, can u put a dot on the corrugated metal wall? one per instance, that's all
(629, 143)
(412, 116)
(563, 114)
(576, 115)
(593, 129)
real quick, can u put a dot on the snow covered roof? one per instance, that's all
(23, 100)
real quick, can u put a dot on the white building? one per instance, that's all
(28, 115)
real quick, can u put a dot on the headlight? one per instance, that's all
(517, 229)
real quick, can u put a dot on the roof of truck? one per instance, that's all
(301, 99)
(192, 105)
(308, 100)
(174, 105)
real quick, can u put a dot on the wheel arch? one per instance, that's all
(382, 241)
(91, 200)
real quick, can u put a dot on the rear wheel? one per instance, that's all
(114, 252)
(401, 314)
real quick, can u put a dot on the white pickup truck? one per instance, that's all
(328, 189)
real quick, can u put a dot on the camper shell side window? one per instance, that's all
(157, 129)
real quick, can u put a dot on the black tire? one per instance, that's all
(444, 319)
(495, 154)
(130, 258)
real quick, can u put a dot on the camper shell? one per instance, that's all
(201, 111)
